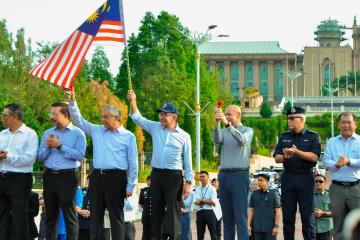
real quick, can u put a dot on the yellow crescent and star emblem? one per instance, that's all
(95, 16)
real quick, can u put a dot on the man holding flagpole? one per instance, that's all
(115, 161)
(171, 154)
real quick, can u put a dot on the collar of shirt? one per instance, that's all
(22, 129)
(265, 191)
(119, 129)
(322, 192)
(354, 136)
(70, 127)
(177, 128)
(303, 131)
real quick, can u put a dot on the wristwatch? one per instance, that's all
(276, 226)
(188, 182)
(59, 147)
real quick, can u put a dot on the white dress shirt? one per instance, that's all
(21, 147)
(207, 192)
(130, 208)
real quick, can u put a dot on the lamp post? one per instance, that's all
(292, 75)
(198, 39)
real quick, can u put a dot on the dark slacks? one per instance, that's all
(264, 236)
(166, 190)
(14, 194)
(129, 231)
(219, 228)
(59, 191)
(298, 189)
(206, 218)
(107, 191)
(323, 236)
(234, 203)
(146, 231)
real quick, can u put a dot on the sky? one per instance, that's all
(290, 22)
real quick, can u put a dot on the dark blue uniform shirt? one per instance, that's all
(305, 140)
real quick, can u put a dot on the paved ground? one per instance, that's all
(298, 234)
(138, 226)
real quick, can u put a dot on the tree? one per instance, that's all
(287, 106)
(265, 110)
(99, 66)
(347, 82)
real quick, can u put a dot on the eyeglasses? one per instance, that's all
(291, 118)
(164, 114)
(4, 115)
(319, 181)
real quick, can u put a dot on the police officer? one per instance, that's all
(299, 150)
(145, 204)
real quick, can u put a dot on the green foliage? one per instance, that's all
(99, 66)
(287, 106)
(265, 110)
(346, 82)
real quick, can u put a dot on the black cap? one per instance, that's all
(265, 176)
(295, 110)
(169, 108)
(214, 180)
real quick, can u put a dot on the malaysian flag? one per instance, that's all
(104, 25)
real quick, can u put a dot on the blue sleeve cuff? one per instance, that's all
(130, 187)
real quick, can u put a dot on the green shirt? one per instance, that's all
(322, 201)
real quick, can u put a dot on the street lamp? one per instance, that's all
(198, 39)
(292, 75)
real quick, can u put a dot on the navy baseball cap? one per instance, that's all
(168, 108)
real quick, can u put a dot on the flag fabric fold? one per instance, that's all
(63, 64)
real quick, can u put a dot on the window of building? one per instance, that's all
(249, 81)
(264, 89)
(235, 81)
(220, 67)
(278, 82)
(327, 75)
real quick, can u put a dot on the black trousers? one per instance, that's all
(59, 192)
(129, 231)
(15, 190)
(298, 189)
(107, 191)
(166, 190)
(219, 228)
(264, 236)
(323, 236)
(146, 231)
(206, 218)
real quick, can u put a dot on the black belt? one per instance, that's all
(60, 171)
(298, 170)
(105, 171)
(166, 170)
(346, 184)
(230, 170)
(9, 174)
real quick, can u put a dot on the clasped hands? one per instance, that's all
(3, 154)
(290, 152)
(342, 162)
(52, 142)
(220, 117)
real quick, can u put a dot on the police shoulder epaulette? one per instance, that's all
(311, 131)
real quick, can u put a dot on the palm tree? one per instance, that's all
(349, 83)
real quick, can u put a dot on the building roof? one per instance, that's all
(253, 47)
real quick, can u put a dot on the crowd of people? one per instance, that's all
(225, 205)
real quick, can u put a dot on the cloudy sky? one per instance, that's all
(290, 22)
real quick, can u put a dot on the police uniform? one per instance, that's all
(145, 201)
(297, 180)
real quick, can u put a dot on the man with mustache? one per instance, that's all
(62, 149)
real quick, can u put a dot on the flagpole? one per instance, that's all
(126, 47)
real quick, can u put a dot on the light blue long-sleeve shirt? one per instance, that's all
(171, 148)
(21, 147)
(350, 148)
(111, 149)
(72, 152)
